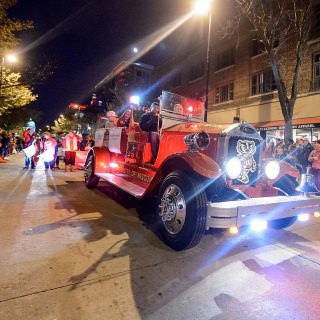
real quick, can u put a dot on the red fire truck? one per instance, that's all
(205, 176)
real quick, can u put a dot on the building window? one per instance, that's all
(262, 82)
(224, 93)
(175, 80)
(315, 29)
(225, 59)
(316, 72)
(196, 71)
(142, 79)
(257, 47)
(198, 96)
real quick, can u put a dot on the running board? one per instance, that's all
(123, 182)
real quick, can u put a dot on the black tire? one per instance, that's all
(282, 223)
(288, 187)
(181, 210)
(91, 180)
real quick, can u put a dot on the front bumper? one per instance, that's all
(243, 212)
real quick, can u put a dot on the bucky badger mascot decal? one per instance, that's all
(246, 149)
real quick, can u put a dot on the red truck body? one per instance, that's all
(193, 181)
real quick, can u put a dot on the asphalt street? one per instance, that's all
(72, 253)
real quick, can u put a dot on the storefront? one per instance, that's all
(306, 127)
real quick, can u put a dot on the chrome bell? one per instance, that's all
(307, 183)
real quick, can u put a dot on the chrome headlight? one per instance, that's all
(198, 140)
(233, 168)
(272, 169)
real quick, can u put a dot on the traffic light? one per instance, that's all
(96, 105)
(122, 78)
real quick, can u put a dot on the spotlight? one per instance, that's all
(303, 217)
(233, 230)
(258, 225)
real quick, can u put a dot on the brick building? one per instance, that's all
(241, 82)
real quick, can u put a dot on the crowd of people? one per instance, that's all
(302, 154)
(47, 147)
(9, 144)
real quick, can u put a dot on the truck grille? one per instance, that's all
(248, 151)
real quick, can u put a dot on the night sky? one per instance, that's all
(86, 39)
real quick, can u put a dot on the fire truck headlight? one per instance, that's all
(259, 225)
(233, 168)
(272, 169)
(198, 140)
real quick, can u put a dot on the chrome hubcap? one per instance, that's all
(173, 209)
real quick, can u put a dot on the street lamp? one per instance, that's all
(204, 7)
(79, 107)
(11, 58)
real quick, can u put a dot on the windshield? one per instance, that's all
(175, 105)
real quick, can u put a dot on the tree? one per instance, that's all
(9, 27)
(14, 93)
(65, 122)
(16, 119)
(282, 24)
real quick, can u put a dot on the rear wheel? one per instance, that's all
(91, 180)
(181, 210)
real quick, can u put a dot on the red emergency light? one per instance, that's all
(77, 106)
(190, 109)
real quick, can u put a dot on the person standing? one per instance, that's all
(152, 123)
(304, 153)
(30, 158)
(314, 158)
(48, 150)
(37, 145)
(59, 139)
(5, 144)
(292, 153)
(1, 148)
(26, 137)
(280, 151)
(70, 145)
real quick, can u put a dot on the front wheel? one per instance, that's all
(91, 180)
(181, 210)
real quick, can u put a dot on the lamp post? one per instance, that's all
(79, 107)
(1, 75)
(204, 7)
(207, 75)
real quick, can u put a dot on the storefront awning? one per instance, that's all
(305, 123)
